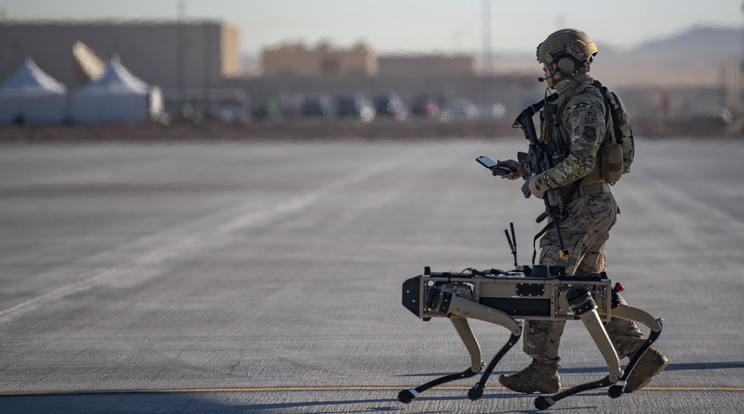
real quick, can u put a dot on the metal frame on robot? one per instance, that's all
(504, 298)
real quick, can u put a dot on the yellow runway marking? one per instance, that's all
(277, 389)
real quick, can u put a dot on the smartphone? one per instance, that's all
(495, 168)
(486, 162)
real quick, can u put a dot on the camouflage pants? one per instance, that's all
(585, 232)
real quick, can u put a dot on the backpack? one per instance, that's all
(616, 153)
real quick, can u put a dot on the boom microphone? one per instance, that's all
(556, 70)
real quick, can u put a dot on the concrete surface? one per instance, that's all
(265, 278)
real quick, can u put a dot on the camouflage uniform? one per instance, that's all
(591, 210)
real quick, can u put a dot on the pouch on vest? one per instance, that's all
(610, 158)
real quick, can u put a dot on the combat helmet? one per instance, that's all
(570, 49)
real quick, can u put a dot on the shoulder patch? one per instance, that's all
(588, 118)
(580, 105)
(588, 124)
(589, 134)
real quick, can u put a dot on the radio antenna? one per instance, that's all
(512, 240)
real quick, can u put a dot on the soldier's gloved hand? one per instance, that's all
(533, 189)
(515, 166)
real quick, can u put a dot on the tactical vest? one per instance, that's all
(616, 151)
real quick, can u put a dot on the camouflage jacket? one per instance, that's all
(583, 128)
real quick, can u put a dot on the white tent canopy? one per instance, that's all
(117, 96)
(32, 96)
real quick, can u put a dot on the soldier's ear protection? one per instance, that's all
(566, 65)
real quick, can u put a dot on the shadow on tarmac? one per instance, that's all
(206, 402)
(580, 370)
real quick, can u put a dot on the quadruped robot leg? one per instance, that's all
(585, 308)
(451, 303)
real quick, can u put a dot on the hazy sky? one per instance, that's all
(408, 25)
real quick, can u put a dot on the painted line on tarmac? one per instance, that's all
(289, 388)
(237, 222)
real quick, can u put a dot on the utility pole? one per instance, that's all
(486, 52)
(181, 12)
(740, 86)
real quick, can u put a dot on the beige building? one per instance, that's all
(325, 61)
(297, 60)
(192, 55)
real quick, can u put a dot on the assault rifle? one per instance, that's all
(540, 160)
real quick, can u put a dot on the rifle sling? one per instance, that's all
(574, 189)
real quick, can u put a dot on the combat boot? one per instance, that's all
(650, 364)
(539, 377)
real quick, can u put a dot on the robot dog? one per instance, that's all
(526, 293)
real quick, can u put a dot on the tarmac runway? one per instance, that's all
(266, 277)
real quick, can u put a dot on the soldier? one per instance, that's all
(574, 137)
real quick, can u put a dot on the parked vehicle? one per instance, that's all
(290, 106)
(390, 105)
(715, 114)
(318, 106)
(494, 110)
(459, 109)
(424, 106)
(267, 110)
(355, 106)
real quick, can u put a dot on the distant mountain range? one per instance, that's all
(698, 43)
(699, 56)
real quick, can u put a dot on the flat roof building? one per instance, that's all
(171, 55)
(299, 61)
